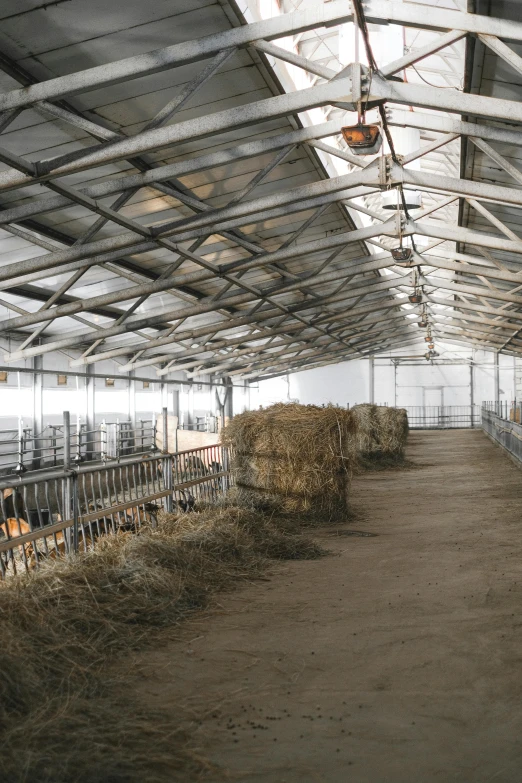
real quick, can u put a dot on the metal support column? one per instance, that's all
(37, 411)
(69, 489)
(90, 413)
(167, 463)
(229, 400)
(131, 408)
(497, 381)
(190, 411)
(472, 392)
(371, 363)
(131, 403)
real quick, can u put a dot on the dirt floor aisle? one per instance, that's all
(397, 660)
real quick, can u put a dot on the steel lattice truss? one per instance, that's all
(178, 236)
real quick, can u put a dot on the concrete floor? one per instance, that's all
(397, 660)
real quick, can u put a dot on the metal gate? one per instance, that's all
(442, 417)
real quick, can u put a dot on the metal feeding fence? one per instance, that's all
(441, 417)
(56, 512)
(22, 450)
(501, 421)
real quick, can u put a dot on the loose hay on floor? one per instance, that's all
(68, 628)
(297, 457)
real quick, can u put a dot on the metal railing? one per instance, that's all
(441, 417)
(53, 513)
(509, 410)
(21, 450)
(501, 421)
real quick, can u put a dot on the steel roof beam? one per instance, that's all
(471, 328)
(410, 14)
(415, 55)
(503, 51)
(442, 124)
(200, 276)
(195, 356)
(443, 19)
(178, 54)
(231, 155)
(491, 273)
(457, 315)
(259, 318)
(442, 99)
(128, 241)
(468, 236)
(281, 105)
(465, 304)
(152, 319)
(158, 138)
(260, 376)
(291, 366)
(478, 291)
(497, 158)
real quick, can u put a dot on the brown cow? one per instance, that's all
(12, 529)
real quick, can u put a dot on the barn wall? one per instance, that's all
(409, 382)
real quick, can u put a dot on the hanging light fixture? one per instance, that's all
(401, 254)
(416, 297)
(412, 199)
(363, 138)
(405, 140)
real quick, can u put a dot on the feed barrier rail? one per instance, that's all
(53, 513)
(502, 429)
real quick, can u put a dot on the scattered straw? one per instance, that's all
(67, 630)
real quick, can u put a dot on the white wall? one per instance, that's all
(341, 384)
(407, 382)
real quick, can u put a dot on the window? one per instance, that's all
(61, 380)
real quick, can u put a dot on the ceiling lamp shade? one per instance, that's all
(401, 253)
(362, 139)
(415, 298)
(392, 201)
(422, 324)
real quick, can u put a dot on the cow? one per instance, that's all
(11, 529)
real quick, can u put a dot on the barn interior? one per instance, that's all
(260, 391)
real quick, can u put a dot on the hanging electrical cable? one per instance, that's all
(372, 64)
